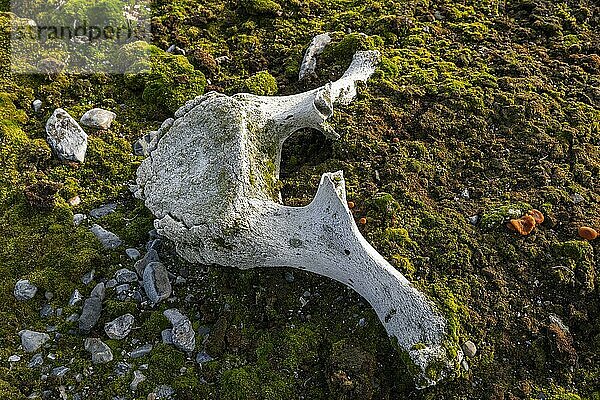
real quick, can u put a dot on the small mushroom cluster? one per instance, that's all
(527, 223)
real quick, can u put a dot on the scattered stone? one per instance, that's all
(362, 322)
(132, 253)
(14, 358)
(32, 341)
(108, 239)
(49, 295)
(125, 275)
(36, 361)
(101, 353)
(183, 336)
(36, 105)
(141, 265)
(203, 357)
(120, 327)
(577, 198)
(122, 368)
(176, 50)
(474, 219)
(289, 277)
(164, 392)
(167, 336)
(24, 290)
(141, 351)
(88, 277)
(103, 210)
(138, 378)
(469, 349)
(74, 201)
(46, 311)
(203, 330)
(78, 219)
(98, 118)
(60, 371)
(65, 136)
(92, 308)
(76, 297)
(111, 283)
(156, 282)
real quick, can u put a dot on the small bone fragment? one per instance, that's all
(309, 62)
(211, 183)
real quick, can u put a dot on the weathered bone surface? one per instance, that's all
(211, 183)
(309, 62)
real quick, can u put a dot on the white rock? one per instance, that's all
(36, 105)
(138, 378)
(65, 136)
(98, 118)
(24, 290)
(210, 183)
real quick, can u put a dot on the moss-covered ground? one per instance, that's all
(478, 111)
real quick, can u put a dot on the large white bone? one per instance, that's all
(211, 183)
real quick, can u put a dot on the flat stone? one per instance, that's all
(98, 118)
(125, 275)
(65, 136)
(108, 239)
(132, 253)
(120, 327)
(156, 282)
(111, 283)
(469, 348)
(32, 341)
(141, 351)
(24, 290)
(141, 265)
(101, 353)
(122, 289)
(92, 308)
(60, 371)
(103, 210)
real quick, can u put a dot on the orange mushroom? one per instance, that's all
(350, 204)
(537, 215)
(363, 221)
(587, 233)
(524, 225)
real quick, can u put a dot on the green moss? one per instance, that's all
(261, 83)
(9, 392)
(498, 215)
(240, 384)
(260, 7)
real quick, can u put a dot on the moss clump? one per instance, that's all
(261, 7)
(261, 83)
(499, 215)
(240, 384)
(577, 256)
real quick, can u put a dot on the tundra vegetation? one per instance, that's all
(479, 112)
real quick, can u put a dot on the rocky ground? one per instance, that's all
(479, 112)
